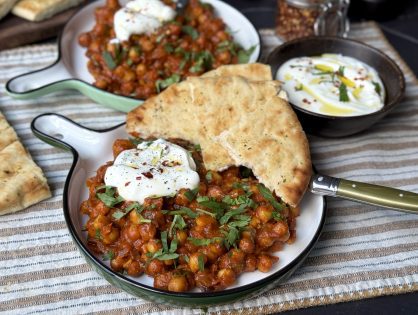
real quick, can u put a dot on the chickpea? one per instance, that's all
(101, 83)
(194, 261)
(153, 245)
(205, 220)
(224, 57)
(161, 280)
(155, 267)
(181, 198)
(215, 192)
(181, 237)
(226, 277)
(133, 232)
(178, 284)
(111, 237)
(147, 231)
(133, 268)
(264, 212)
(84, 39)
(250, 263)
(117, 263)
(281, 231)
(246, 245)
(146, 44)
(265, 262)
(263, 239)
(255, 222)
(140, 69)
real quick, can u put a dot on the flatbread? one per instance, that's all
(237, 122)
(252, 71)
(22, 182)
(6, 6)
(38, 10)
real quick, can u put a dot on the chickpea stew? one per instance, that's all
(194, 42)
(200, 238)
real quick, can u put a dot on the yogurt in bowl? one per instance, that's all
(332, 84)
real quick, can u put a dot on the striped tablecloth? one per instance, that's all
(363, 252)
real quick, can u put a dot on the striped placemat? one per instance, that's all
(363, 252)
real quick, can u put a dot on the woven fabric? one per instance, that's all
(364, 251)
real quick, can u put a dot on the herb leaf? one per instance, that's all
(377, 87)
(191, 194)
(227, 216)
(184, 211)
(191, 31)
(162, 84)
(343, 93)
(108, 197)
(267, 194)
(107, 57)
(108, 256)
(244, 55)
(203, 241)
(201, 263)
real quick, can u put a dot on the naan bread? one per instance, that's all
(21, 181)
(38, 10)
(251, 71)
(236, 122)
(6, 6)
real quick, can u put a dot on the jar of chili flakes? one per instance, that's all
(299, 18)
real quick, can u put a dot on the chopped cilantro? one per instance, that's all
(108, 256)
(110, 62)
(191, 194)
(276, 216)
(203, 241)
(184, 211)
(244, 55)
(208, 176)
(343, 93)
(191, 31)
(227, 216)
(108, 197)
(267, 194)
(201, 262)
(340, 71)
(178, 223)
(162, 84)
(98, 234)
(377, 87)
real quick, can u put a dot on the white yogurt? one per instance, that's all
(313, 83)
(154, 169)
(140, 17)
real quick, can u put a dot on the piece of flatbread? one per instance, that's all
(38, 10)
(22, 182)
(250, 71)
(236, 122)
(6, 6)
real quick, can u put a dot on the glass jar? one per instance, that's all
(298, 18)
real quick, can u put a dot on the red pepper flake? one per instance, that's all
(148, 175)
(127, 183)
(138, 178)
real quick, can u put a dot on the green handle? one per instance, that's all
(365, 193)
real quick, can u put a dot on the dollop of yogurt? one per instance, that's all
(154, 169)
(140, 17)
(332, 84)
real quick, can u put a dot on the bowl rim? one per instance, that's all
(387, 105)
(98, 263)
(104, 92)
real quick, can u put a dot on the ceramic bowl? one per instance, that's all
(69, 71)
(62, 132)
(333, 126)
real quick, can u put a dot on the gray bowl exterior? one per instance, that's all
(332, 126)
(187, 299)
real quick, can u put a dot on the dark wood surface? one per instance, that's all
(15, 31)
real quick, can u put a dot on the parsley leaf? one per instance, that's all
(201, 262)
(191, 31)
(178, 223)
(340, 71)
(98, 234)
(208, 176)
(162, 84)
(267, 194)
(217, 207)
(377, 87)
(227, 216)
(108, 197)
(184, 211)
(191, 194)
(108, 59)
(276, 216)
(343, 93)
(244, 55)
(203, 241)
(231, 236)
(108, 256)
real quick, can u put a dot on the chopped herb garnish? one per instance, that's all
(168, 48)
(178, 223)
(377, 87)
(108, 256)
(164, 241)
(184, 211)
(201, 262)
(217, 207)
(204, 241)
(186, 258)
(244, 55)
(227, 216)
(276, 216)
(160, 38)
(191, 31)
(343, 93)
(340, 71)
(208, 176)
(231, 236)
(98, 234)
(267, 194)
(197, 148)
(203, 61)
(191, 194)
(108, 197)
(165, 253)
(162, 84)
(107, 57)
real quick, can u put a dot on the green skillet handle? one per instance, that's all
(366, 193)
